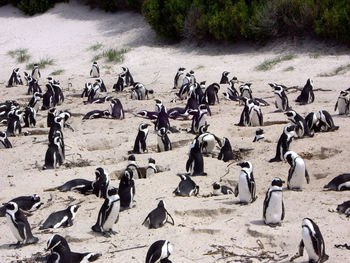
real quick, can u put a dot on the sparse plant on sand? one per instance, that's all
(270, 63)
(95, 46)
(112, 55)
(200, 67)
(314, 55)
(291, 68)
(57, 72)
(338, 71)
(21, 54)
(43, 63)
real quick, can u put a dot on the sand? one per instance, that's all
(65, 33)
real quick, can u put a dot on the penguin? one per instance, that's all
(4, 141)
(325, 121)
(19, 225)
(139, 92)
(36, 72)
(94, 93)
(99, 100)
(151, 115)
(344, 208)
(339, 183)
(224, 78)
(311, 123)
(283, 143)
(159, 251)
(117, 111)
(226, 153)
(185, 88)
(87, 89)
(246, 187)
(54, 155)
(313, 242)
(95, 114)
(129, 80)
(201, 94)
(82, 186)
(140, 141)
(101, 184)
(219, 189)
(102, 85)
(132, 165)
(29, 117)
(163, 142)
(159, 106)
(15, 78)
(34, 101)
(58, 92)
(246, 90)
(300, 124)
(126, 190)
(207, 140)
(108, 214)
(158, 217)
(48, 98)
(281, 99)
(33, 86)
(51, 114)
(162, 120)
(192, 78)
(95, 70)
(273, 210)
(186, 187)
(178, 80)
(199, 118)
(195, 162)
(307, 95)
(297, 171)
(84, 257)
(119, 86)
(25, 203)
(61, 218)
(245, 116)
(211, 94)
(259, 135)
(14, 123)
(232, 93)
(255, 115)
(26, 77)
(342, 103)
(151, 168)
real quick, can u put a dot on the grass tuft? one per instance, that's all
(289, 68)
(57, 72)
(111, 55)
(338, 71)
(21, 54)
(96, 46)
(270, 63)
(43, 63)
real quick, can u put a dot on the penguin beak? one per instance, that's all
(239, 164)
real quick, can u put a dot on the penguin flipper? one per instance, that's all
(236, 191)
(173, 222)
(188, 163)
(300, 252)
(144, 221)
(307, 176)
(283, 211)
(336, 105)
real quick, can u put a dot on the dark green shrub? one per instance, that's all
(31, 7)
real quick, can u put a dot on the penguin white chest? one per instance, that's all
(308, 244)
(112, 217)
(254, 118)
(160, 144)
(297, 179)
(274, 208)
(342, 106)
(14, 229)
(243, 188)
(279, 104)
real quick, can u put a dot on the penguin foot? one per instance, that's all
(275, 160)
(16, 245)
(112, 232)
(274, 224)
(105, 234)
(32, 240)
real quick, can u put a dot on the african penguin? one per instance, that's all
(339, 183)
(224, 78)
(246, 185)
(25, 203)
(36, 72)
(219, 189)
(34, 101)
(342, 103)
(273, 210)
(159, 251)
(151, 168)
(108, 214)
(211, 94)
(126, 190)
(140, 141)
(162, 120)
(51, 114)
(307, 95)
(311, 123)
(199, 118)
(54, 156)
(281, 99)
(259, 135)
(255, 115)
(15, 78)
(151, 115)
(283, 143)
(300, 123)
(14, 126)
(101, 184)
(63, 218)
(163, 141)
(344, 208)
(186, 187)
(4, 141)
(226, 153)
(129, 80)
(195, 162)
(207, 140)
(117, 111)
(87, 89)
(158, 216)
(29, 117)
(132, 165)
(178, 80)
(297, 171)
(325, 121)
(95, 70)
(48, 98)
(95, 114)
(246, 90)
(245, 116)
(82, 186)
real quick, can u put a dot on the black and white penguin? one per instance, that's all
(151, 167)
(159, 251)
(19, 225)
(151, 115)
(255, 115)
(132, 165)
(158, 216)
(313, 242)
(284, 142)
(140, 141)
(15, 78)
(163, 141)
(99, 81)
(34, 101)
(219, 189)
(14, 126)
(344, 208)
(273, 210)
(95, 70)
(117, 111)
(342, 103)
(162, 120)
(48, 98)
(246, 187)
(87, 89)
(58, 92)
(297, 171)
(246, 91)
(281, 99)
(192, 78)
(226, 153)
(232, 93)
(186, 187)
(195, 162)
(29, 117)
(245, 116)
(94, 93)
(120, 85)
(63, 218)
(178, 80)
(95, 114)
(207, 140)
(108, 214)
(211, 94)
(101, 184)
(185, 88)
(224, 78)
(99, 100)
(51, 114)
(259, 135)
(126, 190)
(300, 123)
(129, 80)
(199, 118)
(82, 186)
(54, 156)
(36, 72)
(4, 141)
(28, 203)
(339, 183)
(325, 121)
(33, 86)
(307, 94)
(311, 122)
(26, 77)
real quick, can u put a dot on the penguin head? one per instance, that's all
(124, 69)
(106, 113)
(245, 164)
(99, 80)
(225, 73)
(278, 89)
(162, 131)
(307, 222)
(290, 156)
(52, 111)
(181, 69)
(183, 177)
(143, 126)
(259, 131)
(95, 63)
(11, 207)
(131, 158)
(291, 114)
(99, 172)
(344, 93)
(142, 113)
(169, 248)
(277, 182)
(191, 72)
(202, 83)
(128, 174)
(55, 241)
(35, 65)
(74, 209)
(36, 198)
(216, 186)
(203, 128)
(161, 203)
(272, 85)
(151, 160)
(37, 95)
(289, 129)
(309, 82)
(50, 79)
(2, 135)
(112, 192)
(26, 74)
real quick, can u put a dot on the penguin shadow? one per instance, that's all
(258, 222)
(234, 203)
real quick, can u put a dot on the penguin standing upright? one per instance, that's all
(226, 153)
(151, 168)
(245, 116)
(179, 77)
(102, 85)
(159, 251)
(246, 187)
(307, 94)
(158, 216)
(101, 184)
(164, 143)
(313, 242)
(48, 98)
(87, 89)
(284, 142)
(134, 166)
(95, 70)
(129, 80)
(281, 99)
(117, 111)
(224, 78)
(140, 141)
(297, 171)
(14, 126)
(36, 72)
(54, 156)
(58, 92)
(273, 211)
(61, 218)
(186, 187)
(342, 103)
(34, 101)
(300, 123)
(246, 91)
(4, 141)
(126, 190)
(33, 86)
(19, 225)
(162, 119)
(15, 78)
(199, 118)
(108, 214)
(211, 94)
(29, 117)
(195, 162)
(255, 115)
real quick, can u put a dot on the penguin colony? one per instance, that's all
(199, 101)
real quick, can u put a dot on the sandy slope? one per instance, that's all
(65, 33)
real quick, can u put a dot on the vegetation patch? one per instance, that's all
(112, 55)
(95, 46)
(43, 63)
(291, 68)
(270, 63)
(20, 54)
(338, 71)
(57, 72)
